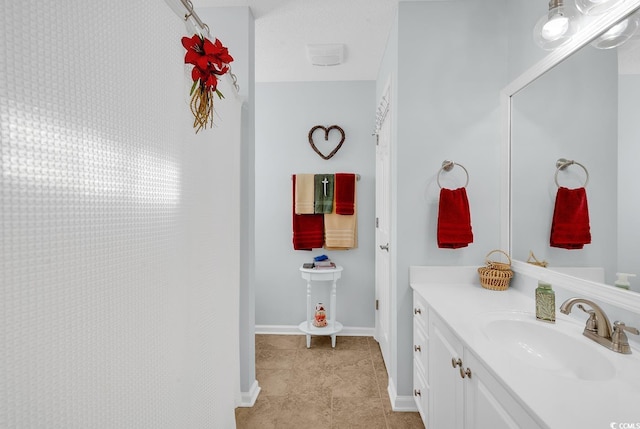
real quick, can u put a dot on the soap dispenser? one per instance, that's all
(545, 303)
(623, 280)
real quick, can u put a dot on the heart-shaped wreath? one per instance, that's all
(326, 138)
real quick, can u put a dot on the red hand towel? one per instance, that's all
(570, 225)
(308, 229)
(454, 219)
(344, 191)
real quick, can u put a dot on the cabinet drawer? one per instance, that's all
(420, 346)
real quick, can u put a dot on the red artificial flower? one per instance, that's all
(217, 53)
(208, 58)
(193, 45)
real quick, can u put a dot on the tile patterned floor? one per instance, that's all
(321, 387)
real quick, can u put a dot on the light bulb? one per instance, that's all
(618, 34)
(617, 29)
(555, 27)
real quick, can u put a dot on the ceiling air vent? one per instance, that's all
(325, 55)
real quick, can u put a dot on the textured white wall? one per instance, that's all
(235, 26)
(119, 236)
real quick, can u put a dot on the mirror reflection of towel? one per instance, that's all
(454, 219)
(570, 224)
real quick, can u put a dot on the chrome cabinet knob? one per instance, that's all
(417, 311)
(465, 372)
(416, 392)
(417, 348)
(384, 247)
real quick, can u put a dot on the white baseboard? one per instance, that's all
(248, 399)
(293, 330)
(400, 403)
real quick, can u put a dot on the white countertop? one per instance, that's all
(454, 293)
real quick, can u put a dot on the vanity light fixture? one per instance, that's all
(555, 27)
(618, 34)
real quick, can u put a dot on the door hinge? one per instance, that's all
(377, 304)
(377, 139)
(377, 222)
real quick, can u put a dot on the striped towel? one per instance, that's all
(303, 194)
(341, 231)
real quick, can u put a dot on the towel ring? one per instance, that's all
(448, 166)
(563, 163)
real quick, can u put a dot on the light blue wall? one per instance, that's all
(447, 74)
(286, 113)
(523, 52)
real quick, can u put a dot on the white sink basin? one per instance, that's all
(547, 346)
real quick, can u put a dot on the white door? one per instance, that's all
(384, 300)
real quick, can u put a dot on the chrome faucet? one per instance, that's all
(598, 327)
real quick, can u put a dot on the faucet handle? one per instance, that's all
(624, 327)
(619, 340)
(592, 322)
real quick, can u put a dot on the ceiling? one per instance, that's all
(283, 28)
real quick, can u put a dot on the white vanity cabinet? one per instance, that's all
(452, 388)
(420, 347)
(487, 403)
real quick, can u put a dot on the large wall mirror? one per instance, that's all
(579, 103)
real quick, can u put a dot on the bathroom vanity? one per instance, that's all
(482, 360)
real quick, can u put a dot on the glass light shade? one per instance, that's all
(618, 34)
(554, 28)
(596, 7)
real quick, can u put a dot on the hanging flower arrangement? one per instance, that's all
(210, 60)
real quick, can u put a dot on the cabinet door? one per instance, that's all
(488, 404)
(420, 391)
(446, 407)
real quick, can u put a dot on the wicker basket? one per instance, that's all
(501, 266)
(495, 275)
